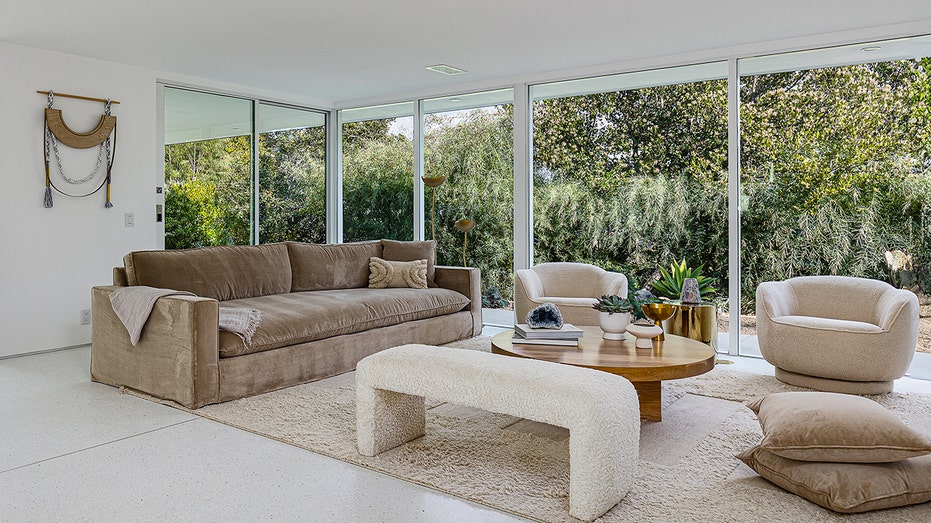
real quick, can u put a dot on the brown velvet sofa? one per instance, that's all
(319, 318)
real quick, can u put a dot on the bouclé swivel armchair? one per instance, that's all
(573, 287)
(836, 333)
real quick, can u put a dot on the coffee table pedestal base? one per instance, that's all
(650, 394)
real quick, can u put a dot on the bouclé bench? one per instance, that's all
(600, 410)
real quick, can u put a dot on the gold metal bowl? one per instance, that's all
(433, 181)
(658, 312)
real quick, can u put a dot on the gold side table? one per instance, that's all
(696, 321)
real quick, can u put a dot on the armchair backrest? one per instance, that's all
(837, 297)
(576, 280)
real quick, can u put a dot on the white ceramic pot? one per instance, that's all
(613, 325)
(644, 334)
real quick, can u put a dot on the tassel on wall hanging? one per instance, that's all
(57, 132)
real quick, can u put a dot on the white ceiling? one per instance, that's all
(342, 51)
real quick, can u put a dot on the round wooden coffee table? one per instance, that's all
(675, 358)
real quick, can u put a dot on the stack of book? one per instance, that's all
(567, 336)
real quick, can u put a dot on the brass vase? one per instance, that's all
(658, 312)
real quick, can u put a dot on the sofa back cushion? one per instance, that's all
(222, 273)
(405, 251)
(318, 266)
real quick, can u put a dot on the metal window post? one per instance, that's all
(733, 205)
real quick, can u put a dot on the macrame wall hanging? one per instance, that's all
(58, 133)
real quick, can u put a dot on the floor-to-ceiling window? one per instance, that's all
(630, 173)
(212, 196)
(292, 174)
(378, 173)
(836, 167)
(468, 150)
(208, 169)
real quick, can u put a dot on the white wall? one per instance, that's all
(50, 258)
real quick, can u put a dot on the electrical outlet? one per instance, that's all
(86, 317)
(130, 219)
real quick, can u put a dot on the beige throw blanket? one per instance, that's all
(133, 305)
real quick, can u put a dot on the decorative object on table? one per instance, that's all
(690, 293)
(492, 299)
(669, 285)
(644, 334)
(567, 331)
(104, 136)
(433, 182)
(465, 226)
(658, 312)
(553, 342)
(698, 321)
(613, 316)
(546, 316)
(566, 336)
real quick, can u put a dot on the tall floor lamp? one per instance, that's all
(465, 226)
(433, 182)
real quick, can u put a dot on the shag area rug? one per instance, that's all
(687, 470)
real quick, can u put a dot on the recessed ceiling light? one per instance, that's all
(871, 48)
(445, 69)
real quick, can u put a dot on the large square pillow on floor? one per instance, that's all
(824, 426)
(846, 487)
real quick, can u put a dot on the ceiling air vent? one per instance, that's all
(445, 69)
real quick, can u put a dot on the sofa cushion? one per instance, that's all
(300, 317)
(825, 426)
(317, 266)
(395, 250)
(221, 273)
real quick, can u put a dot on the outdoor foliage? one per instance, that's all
(835, 171)
(292, 171)
(474, 152)
(207, 193)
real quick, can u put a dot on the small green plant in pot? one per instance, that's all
(611, 304)
(613, 316)
(669, 285)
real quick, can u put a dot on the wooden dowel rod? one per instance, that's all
(78, 97)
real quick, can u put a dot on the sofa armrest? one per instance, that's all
(468, 282)
(119, 277)
(176, 358)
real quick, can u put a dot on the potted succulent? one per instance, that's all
(613, 316)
